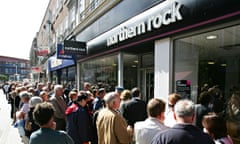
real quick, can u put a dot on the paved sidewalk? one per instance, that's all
(8, 134)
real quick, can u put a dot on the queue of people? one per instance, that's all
(54, 114)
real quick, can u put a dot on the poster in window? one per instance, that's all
(183, 87)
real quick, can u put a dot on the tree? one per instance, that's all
(3, 77)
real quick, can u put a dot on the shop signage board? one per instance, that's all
(61, 53)
(147, 23)
(163, 20)
(74, 47)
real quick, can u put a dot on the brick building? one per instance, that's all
(15, 69)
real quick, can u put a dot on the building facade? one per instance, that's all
(15, 69)
(165, 46)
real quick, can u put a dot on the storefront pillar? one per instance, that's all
(78, 76)
(162, 68)
(120, 69)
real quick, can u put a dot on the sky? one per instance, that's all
(20, 21)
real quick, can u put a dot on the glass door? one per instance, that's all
(147, 84)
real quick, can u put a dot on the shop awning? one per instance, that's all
(56, 64)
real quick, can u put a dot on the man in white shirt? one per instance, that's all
(144, 131)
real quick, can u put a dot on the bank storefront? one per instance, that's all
(182, 46)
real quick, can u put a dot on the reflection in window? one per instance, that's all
(211, 62)
(130, 71)
(101, 70)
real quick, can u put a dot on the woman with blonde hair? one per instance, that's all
(125, 96)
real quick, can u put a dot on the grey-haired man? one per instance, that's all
(183, 132)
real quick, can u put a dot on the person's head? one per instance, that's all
(45, 88)
(95, 92)
(112, 100)
(40, 86)
(31, 90)
(136, 92)
(58, 90)
(184, 111)
(66, 91)
(25, 96)
(44, 95)
(89, 95)
(156, 108)
(215, 126)
(75, 90)
(82, 100)
(101, 92)
(72, 95)
(34, 101)
(119, 90)
(87, 86)
(43, 115)
(172, 99)
(204, 98)
(126, 95)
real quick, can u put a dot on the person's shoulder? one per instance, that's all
(96, 99)
(139, 124)
(207, 138)
(66, 139)
(62, 133)
(35, 135)
(52, 98)
(159, 136)
(102, 111)
(130, 102)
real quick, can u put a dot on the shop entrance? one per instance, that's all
(147, 83)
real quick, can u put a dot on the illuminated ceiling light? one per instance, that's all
(223, 65)
(211, 37)
(134, 66)
(136, 61)
(211, 62)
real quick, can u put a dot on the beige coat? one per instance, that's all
(112, 128)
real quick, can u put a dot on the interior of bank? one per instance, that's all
(212, 60)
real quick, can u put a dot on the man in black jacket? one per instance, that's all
(135, 109)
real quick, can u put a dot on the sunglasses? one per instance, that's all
(170, 105)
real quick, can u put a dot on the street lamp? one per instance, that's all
(16, 73)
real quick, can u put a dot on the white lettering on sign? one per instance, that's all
(55, 62)
(169, 16)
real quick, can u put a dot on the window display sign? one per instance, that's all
(183, 87)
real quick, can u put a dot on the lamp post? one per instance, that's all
(16, 73)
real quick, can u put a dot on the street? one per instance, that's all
(8, 134)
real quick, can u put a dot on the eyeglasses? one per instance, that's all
(170, 105)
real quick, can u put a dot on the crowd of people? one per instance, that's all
(47, 113)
